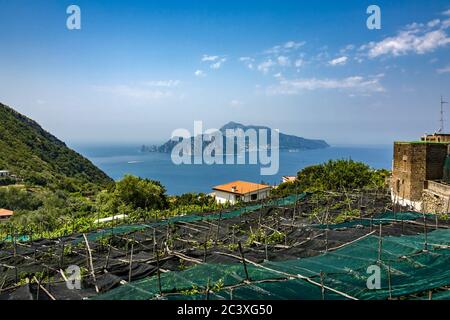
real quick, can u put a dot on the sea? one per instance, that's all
(119, 160)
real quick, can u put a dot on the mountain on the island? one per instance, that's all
(286, 142)
(39, 158)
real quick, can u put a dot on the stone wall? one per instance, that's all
(436, 154)
(436, 197)
(408, 158)
(413, 164)
(433, 203)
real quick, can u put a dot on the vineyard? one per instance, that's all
(303, 246)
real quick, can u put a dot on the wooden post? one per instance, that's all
(158, 271)
(259, 218)
(243, 261)
(380, 243)
(265, 245)
(167, 232)
(436, 221)
(90, 264)
(389, 281)
(154, 241)
(321, 285)
(14, 243)
(107, 256)
(126, 246)
(3, 283)
(205, 248)
(218, 226)
(207, 288)
(425, 232)
(131, 262)
(38, 281)
(61, 257)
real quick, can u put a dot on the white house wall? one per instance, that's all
(224, 197)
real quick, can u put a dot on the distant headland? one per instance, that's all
(286, 142)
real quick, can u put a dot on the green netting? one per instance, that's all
(286, 201)
(383, 218)
(123, 229)
(22, 238)
(293, 289)
(444, 295)
(405, 267)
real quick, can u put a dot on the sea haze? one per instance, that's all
(118, 160)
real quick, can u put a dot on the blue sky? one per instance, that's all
(137, 70)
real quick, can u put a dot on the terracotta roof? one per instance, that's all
(241, 187)
(5, 213)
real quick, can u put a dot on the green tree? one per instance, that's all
(141, 193)
(335, 175)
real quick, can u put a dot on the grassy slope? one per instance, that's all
(35, 155)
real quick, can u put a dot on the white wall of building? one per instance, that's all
(224, 197)
(415, 205)
(4, 173)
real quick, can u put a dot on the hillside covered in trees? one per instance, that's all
(39, 158)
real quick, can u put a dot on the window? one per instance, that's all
(254, 196)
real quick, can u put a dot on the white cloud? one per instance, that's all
(209, 58)
(249, 62)
(285, 48)
(278, 75)
(163, 83)
(293, 44)
(283, 61)
(408, 41)
(338, 61)
(218, 64)
(445, 24)
(347, 48)
(444, 69)
(218, 61)
(299, 63)
(200, 73)
(266, 65)
(356, 83)
(433, 23)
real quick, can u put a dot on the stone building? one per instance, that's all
(418, 175)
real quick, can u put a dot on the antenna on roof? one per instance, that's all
(441, 129)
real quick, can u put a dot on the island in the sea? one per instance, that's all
(286, 142)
